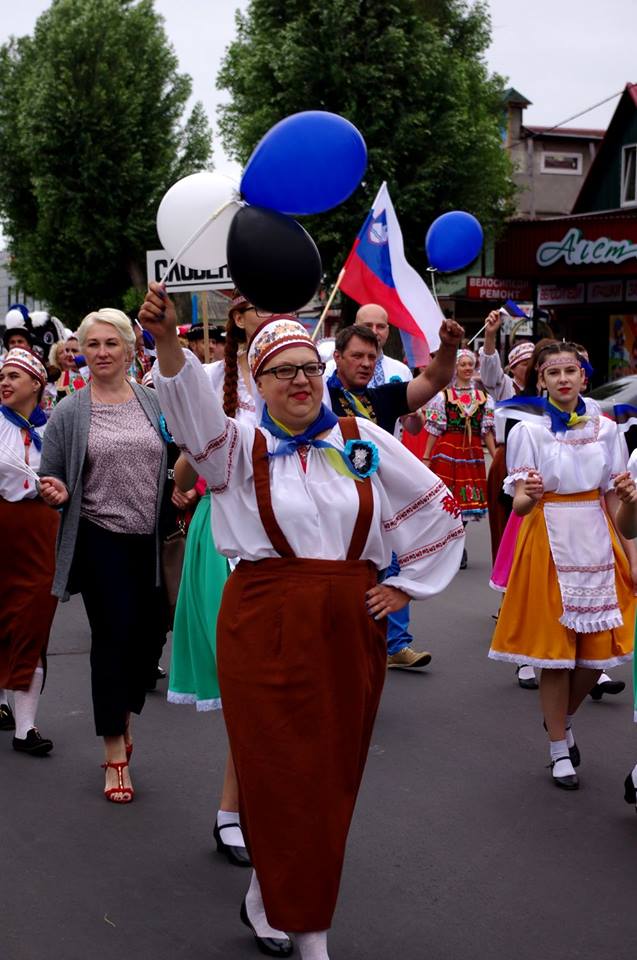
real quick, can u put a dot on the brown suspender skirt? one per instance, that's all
(301, 668)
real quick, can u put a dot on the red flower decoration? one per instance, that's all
(451, 505)
(465, 398)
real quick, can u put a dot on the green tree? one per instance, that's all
(91, 136)
(410, 74)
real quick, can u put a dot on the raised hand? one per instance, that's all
(493, 322)
(157, 313)
(451, 333)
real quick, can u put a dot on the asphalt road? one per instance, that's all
(461, 847)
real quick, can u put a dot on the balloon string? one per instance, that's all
(432, 272)
(204, 226)
(19, 462)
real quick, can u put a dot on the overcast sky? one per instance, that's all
(563, 55)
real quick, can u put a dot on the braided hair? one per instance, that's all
(235, 336)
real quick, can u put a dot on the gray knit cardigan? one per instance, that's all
(63, 455)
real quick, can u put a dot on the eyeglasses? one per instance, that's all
(288, 371)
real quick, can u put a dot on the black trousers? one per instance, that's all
(115, 573)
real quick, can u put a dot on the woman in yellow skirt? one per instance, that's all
(562, 466)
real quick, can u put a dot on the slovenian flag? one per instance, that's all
(376, 271)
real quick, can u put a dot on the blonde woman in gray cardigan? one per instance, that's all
(104, 464)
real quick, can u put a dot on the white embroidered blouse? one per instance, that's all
(585, 458)
(15, 482)
(414, 514)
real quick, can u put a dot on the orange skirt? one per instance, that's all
(528, 629)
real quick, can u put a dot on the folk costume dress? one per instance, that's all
(460, 419)
(568, 562)
(301, 663)
(193, 664)
(27, 560)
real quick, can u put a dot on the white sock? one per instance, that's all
(563, 767)
(526, 672)
(256, 912)
(313, 946)
(4, 700)
(634, 775)
(604, 678)
(570, 738)
(26, 705)
(233, 837)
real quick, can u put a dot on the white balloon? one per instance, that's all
(186, 207)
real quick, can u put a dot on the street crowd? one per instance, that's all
(278, 509)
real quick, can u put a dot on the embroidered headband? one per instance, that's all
(238, 300)
(466, 353)
(274, 336)
(28, 362)
(520, 352)
(554, 362)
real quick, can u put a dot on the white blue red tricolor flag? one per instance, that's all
(376, 271)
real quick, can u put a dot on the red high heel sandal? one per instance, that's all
(127, 792)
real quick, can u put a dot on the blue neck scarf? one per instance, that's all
(37, 419)
(352, 397)
(358, 460)
(291, 442)
(561, 420)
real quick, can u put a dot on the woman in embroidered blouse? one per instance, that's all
(70, 378)
(104, 462)
(26, 573)
(312, 539)
(457, 420)
(561, 463)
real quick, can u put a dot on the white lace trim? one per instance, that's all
(581, 622)
(497, 586)
(605, 664)
(522, 659)
(202, 705)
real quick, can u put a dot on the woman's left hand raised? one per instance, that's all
(383, 599)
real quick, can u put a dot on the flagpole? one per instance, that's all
(328, 305)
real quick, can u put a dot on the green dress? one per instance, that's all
(193, 665)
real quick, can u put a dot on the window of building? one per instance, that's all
(569, 163)
(629, 176)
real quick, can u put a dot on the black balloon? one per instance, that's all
(272, 260)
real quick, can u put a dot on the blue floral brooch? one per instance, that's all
(362, 456)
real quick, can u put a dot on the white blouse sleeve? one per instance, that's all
(420, 520)
(217, 447)
(436, 415)
(522, 456)
(632, 465)
(617, 453)
(488, 417)
(495, 381)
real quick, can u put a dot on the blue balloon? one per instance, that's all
(453, 241)
(307, 163)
